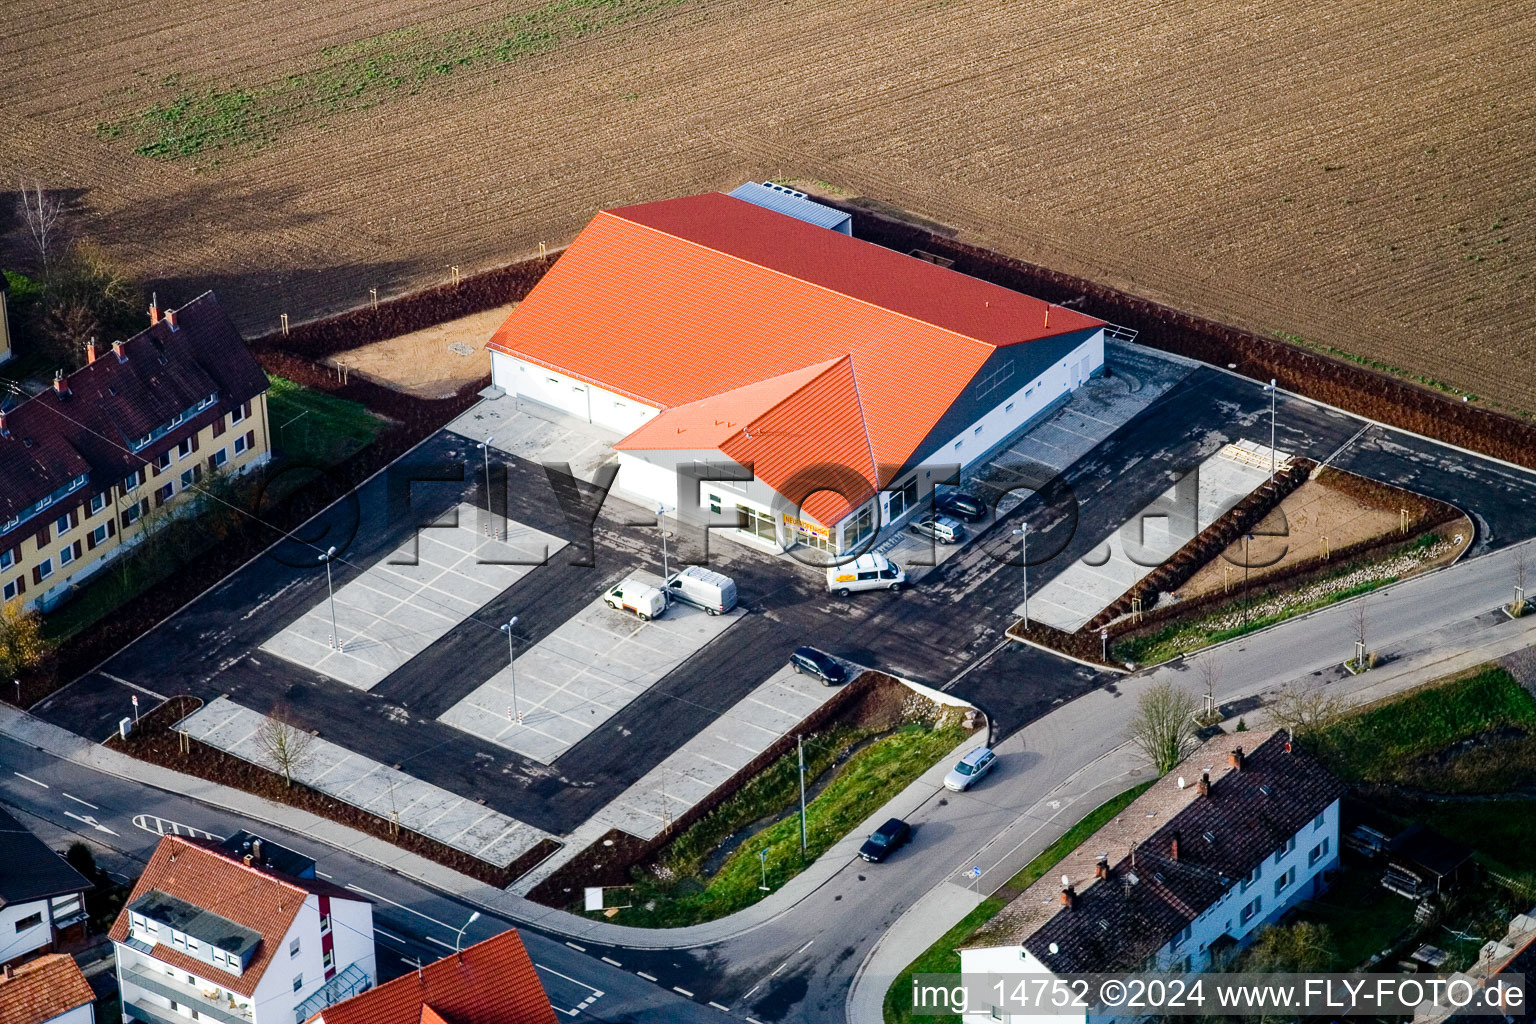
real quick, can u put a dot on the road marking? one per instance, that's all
(77, 800)
(322, 874)
(579, 949)
(803, 948)
(86, 819)
(596, 992)
(440, 942)
(647, 977)
(402, 906)
(133, 686)
(165, 826)
(31, 780)
(389, 935)
(682, 991)
(615, 963)
(722, 1009)
(753, 1020)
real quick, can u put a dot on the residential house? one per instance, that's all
(42, 898)
(491, 982)
(47, 990)
(228, 937)
(1240, 832)
(139, 427)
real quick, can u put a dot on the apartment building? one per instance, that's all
(1185, 876)
(42, 898)
(228, 934)
(139, 427)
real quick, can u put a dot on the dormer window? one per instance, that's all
(12, 522)
(206, 402)
(43, 504)
(141, 442)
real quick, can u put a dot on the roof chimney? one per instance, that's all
(10, 972)
(256, 850)
(90, 351)
(1069, 898)
(61, 383)
(1203, 787)
(1173, 847)
(154, 309)
(118, 350)
(1101, 869)
(170, 318)
(1235, 759)
(247, 860)
(1287, 747)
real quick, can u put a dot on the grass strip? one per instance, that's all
(310, 427)
(942, 958)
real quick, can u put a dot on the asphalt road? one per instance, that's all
(62, 802)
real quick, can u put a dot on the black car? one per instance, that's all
(822, 666)
(885, 840)
(961, 505)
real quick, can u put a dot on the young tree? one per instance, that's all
(1305, 711)
(1208, 673)
(1301, 948)
(1164, 726)
(1362, 657)
(286, 745)
(21, 639)
(86, 295)
(40, 212)
(1517, 608)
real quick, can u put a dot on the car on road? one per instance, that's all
(885, 840)
(961, 505)
(808, 660)
(971, 768)
(941, 528)
(644, 600)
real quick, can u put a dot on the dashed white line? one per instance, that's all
(31, 780)
(647, 977)
(682, 991)
(389, 935)
(615, 963)
(722, 1009)
(402, 906)
(322, 874)
(440, 942)
(753, 1020)
(579, 949)
(77, 800)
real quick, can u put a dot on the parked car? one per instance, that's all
(971, 767)
(941, 528)
(885, 840)
(867, 572)
(644, 600)
(703, 588)
(822, 666)
(961, 505)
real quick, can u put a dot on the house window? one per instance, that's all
(188, 478)
(7, 559)
(1252, 910)
(131, 515)
(328, 959)
(1181, 937)
(44, 569)
(1008, 408)
(236, 415)
(99, 535)
(860, 525)
(325, 925)
(61, 524)
(66, 555)
(220, 457)
(178, 940)
(206, 402)
(1318, 853)
(132, 481)
(1284, 881)
(184, 449)
(1290, 844)
(976, 432)
(758, 524)
(1319, 821)
(44, 503)
(11, 590)
(165, 493)
(239, 444)
(99, 502)
(714, 504)
(958, 444)
(163, 460)
(192, 946)
(298, 982)
(30, 921)
(293, 948)
(12, 522)
(1252, 876)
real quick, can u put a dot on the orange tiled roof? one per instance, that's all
(42, 989)
(491, 982)
(683, 301)
(249, 896)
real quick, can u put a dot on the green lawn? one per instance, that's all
(942, 958)
(311, 427)
(1362, 917)
(1502, 831)
(1376, 744)
(866, 781)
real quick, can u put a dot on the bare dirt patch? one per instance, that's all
(431, 363)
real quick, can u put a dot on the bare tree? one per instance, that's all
(1362, 656)
(1164, 726)
(1305, 710)
(1208, 672)
(286, 745)
(40, 212)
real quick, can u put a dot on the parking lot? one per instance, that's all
(399, 605)
(573, 680)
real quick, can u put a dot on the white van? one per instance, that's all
(867, 572)
(703, 588)
(644, 600)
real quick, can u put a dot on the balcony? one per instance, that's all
(190, 996)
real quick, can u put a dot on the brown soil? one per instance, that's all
(421, 363)
(1340, 173)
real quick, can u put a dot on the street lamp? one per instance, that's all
(661, 526)
(1246, 560)
(459, 938)
(485, 451)
(1271, 388)
(1023, 534)
(762, 858)
(512, 665)
(330, 553)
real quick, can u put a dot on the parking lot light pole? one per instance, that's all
(330, 553)
(485, 451)
(1271, 389)
(1023, 534)
(800, 749)
(661, 527)
(512, 665)
(762, 858)
(459, 939)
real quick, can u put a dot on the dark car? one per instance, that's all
(885, 840)
(961, 505)
(822, 666)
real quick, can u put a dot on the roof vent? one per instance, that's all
(1210, 837)
(1265, 790)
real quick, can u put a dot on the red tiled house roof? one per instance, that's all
(491, 982)
(691, 305)
(260, 900)
(42, 989)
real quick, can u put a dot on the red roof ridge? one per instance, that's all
(858, 401)
(989, 346)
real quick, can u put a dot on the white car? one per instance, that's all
(646, 601)
(971, 767)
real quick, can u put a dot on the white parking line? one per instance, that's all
(682, 991)
(647, 977)
(573, 981)
(615, 963)
(31, 780)
(389, 935)
(722, 1009)
(402, 906)
(440, 942)
(77, 800)
(579, 949)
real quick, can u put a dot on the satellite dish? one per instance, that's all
(1054, 948)
(1066, 880)
(1182, 783)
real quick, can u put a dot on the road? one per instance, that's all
(123, 821)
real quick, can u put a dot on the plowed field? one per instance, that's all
(1355, 175)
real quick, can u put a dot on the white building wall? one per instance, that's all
(352, 934)
(568, 394)
(79, 1015)
(14, 943)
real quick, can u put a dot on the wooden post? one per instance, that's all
(543, 254)
(373, 297)
(285, 325)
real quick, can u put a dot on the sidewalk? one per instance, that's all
(24, 728)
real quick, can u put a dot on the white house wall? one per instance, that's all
(79, 1015)
(13, 943)
(568, 394)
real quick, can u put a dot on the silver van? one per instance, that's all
(703, 588)
(867, 572)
